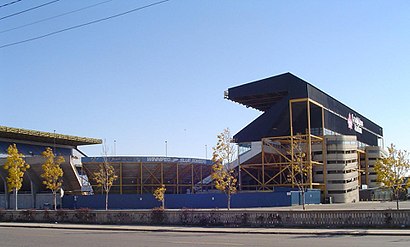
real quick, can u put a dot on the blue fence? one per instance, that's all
(311, 197)
(176, 201)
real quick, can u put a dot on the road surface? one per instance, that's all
(27, 237)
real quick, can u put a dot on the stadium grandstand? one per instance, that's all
(341, 145)
(137, 174)
(31, 144)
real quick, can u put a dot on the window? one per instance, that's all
(340, 142)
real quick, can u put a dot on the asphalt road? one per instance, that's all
(27, 237)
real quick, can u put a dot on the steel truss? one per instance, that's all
(146, 177)
(277, 167)
(277, 161)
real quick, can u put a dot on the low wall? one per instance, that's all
(23, 200)
(46, 201)
(308, 219)
(178, 201)
(27, 201)
(3, 201)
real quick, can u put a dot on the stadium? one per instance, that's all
(31, 144)
(137, 174)
(341, 146)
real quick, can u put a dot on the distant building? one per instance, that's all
(341, 144)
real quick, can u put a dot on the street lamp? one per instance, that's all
(54, 148)
(166, 149)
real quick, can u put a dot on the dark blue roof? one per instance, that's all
(272, 95)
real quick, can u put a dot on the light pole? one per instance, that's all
(54, 147)
(115, 147)
(206, 151)
(166, 148)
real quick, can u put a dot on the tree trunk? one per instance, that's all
(15, 197)
(397, 199)
(229, 201)
(303, 199)
(55, 199)
(106, 200)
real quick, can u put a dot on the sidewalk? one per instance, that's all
(379, 232)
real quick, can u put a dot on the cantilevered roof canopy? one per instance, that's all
(45, 137)
(265, 93)
(272, 96)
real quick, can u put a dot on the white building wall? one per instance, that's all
(372, 154)
(341, 168)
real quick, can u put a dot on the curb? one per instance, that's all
(293, 231)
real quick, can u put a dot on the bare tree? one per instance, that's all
(105, 176)
(223, 155)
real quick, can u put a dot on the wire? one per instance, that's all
(54, 17)
(84, 24)
(7, 4)
(21, 12)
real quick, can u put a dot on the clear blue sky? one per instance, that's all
(159, 74)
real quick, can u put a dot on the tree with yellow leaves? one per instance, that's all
(105, 176)
(223, 155)
(16, 167)
(52, 173)
(391, 171)
(300, 168)
(159, 194)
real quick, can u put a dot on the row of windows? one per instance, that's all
(342, 181)
(341, 142)
(338, 171)
(341, 171)
(341, 161)
(342, 191)
(341, 152)
(335, 152)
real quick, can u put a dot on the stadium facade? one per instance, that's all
(136, 174)
(142, 174)
(31, 144)
(341, 145)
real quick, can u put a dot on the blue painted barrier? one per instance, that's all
(311, 197)
(177, 201)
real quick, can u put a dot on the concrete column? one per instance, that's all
(6, 193)
(33, 190)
